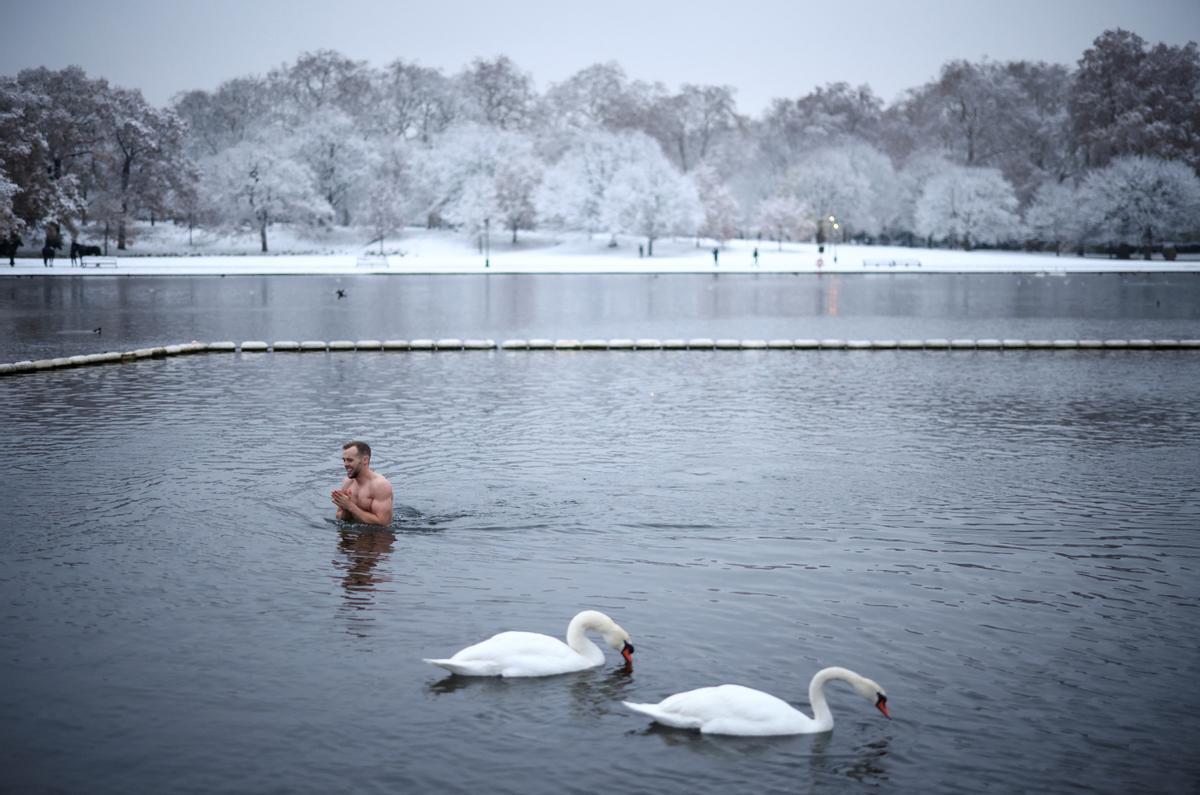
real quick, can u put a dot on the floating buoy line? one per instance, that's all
(700, 343)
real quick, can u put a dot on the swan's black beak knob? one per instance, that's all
(627, 653)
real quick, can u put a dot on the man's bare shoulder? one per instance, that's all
(380, 485)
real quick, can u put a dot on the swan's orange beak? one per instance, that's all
(881, 705)
(627, 653)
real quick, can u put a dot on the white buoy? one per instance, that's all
(727, 344)
(479, 345)
(448, 344)
(254, 346)
(313, 346)
(701, 343)
(514, 345)
(368, 345)
(648, 344)
(396, 345)
(341, 345)
(421, 345)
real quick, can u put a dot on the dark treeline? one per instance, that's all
(1104, 154)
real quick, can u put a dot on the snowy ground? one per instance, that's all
(165, 250)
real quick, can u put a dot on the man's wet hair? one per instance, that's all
(362, 447)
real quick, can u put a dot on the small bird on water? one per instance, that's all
(341, 293)
(96, 330)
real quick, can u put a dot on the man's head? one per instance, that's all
(356, 456)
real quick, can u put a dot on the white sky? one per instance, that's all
(764, 48)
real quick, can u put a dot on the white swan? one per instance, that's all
(733, 709)
(531, 654)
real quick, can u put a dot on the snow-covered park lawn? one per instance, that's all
(164, 249)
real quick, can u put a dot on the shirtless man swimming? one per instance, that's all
(365, 496)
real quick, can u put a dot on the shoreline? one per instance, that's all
(916, 261)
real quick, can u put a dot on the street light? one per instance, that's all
(834, 227)
(487, 242)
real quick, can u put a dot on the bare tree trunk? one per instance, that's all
(262, 233)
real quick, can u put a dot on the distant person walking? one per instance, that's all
(756, 257)
(716, 255)
(11, 244)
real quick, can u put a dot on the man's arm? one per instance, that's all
(381, 505)
(341, 512)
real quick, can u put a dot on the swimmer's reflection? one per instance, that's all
(363, 548)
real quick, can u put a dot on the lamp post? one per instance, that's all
(487, 242)
(834, 227)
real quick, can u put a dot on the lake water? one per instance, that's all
(55, 316)
(1006, 541)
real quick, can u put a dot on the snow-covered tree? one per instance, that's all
(687, 124)
(1141, 201)
(720, 208)
(414, 101)
(321, 80)
(383, 197)
(1054, 215)
(968, 206)
(329, 142)
(828, 116)
(652, 199)
(233, 113)
(498, 93)
(474, 173)
(142, 158)
(785, 218)
(255, 185)
(1129, 99)
(592, 98)
(853, 182)
(10, 223)
(572, 192)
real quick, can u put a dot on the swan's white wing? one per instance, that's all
(515, 654)
(468, 667)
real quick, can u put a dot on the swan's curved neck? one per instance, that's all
(577, 637)
(816, 693)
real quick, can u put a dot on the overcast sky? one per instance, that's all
(764, 48)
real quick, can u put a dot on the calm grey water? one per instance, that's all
(1006, 541)
(46, 317)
